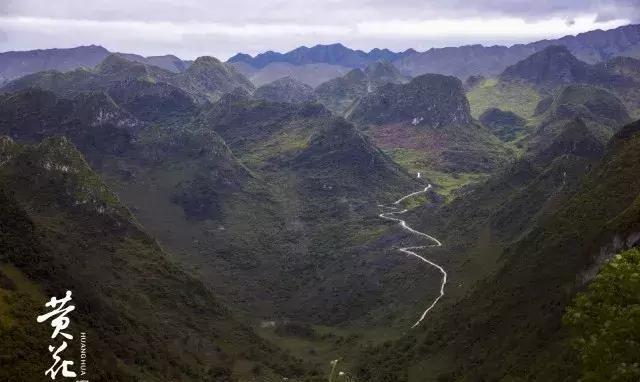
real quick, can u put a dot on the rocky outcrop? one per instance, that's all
(430, 100)
(285, 90)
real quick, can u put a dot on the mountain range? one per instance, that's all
(340, 93)
(321, 63)
(553, 221)
(334, 54)
(215, 229)
(18, 64)
(63, 228)
(462, 62)
(206, 79)
(522, 87)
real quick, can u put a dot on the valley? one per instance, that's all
(410, 250)
(458, 214)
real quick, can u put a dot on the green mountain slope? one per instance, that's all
(522, 85)
(211, 78)
(64, 229)
(506, 125)
(432, 100)
(340, 93)
(623, 78)
(326, 179)
(205, 79)
(230, 194)
(548, 69)
(511, 321)
(93, 121)
(597, 108)
(272, 202)
(604, 322)
(426, 126)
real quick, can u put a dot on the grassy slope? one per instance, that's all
(519, 98)
(449, 157)
(426, 127)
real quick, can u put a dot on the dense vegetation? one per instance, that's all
(605, 322)
(246, 220)
(64, 229)
(521, 306)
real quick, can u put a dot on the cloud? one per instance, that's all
(3, 11)
(196, 27)
(329, 11)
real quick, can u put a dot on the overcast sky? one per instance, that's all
(191, 28)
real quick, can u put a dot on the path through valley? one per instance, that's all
(395, 210)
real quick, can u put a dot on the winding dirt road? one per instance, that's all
(394, 210)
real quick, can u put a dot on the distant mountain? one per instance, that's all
(377, 54)
(312, 66)
(522, 85)
(573, 138)
(338, 94)
(622, 76)
(207, 75)
(624, 66)
(464, 61)
(285, 90)
(549, 68)
(334, 54)
(383, 72)
(320, 146)
(206, 79)
(168, 62)
(600, 111)
(598, 45)
(18, 64)
(310, 74)
(125, 81)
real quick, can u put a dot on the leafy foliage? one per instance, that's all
(605, 322)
